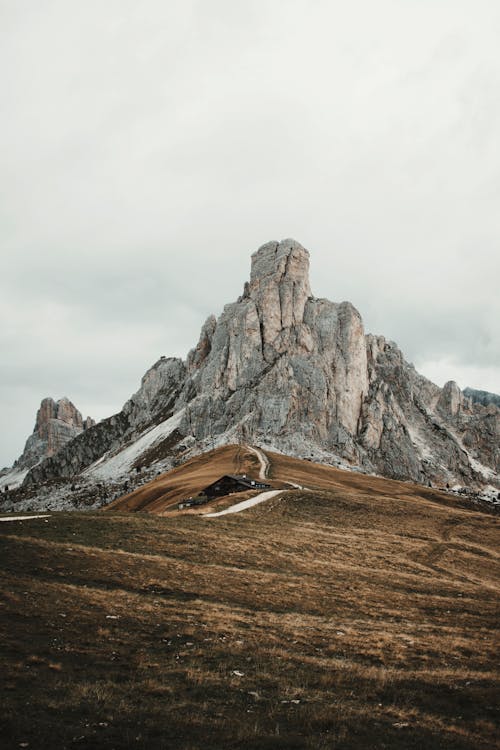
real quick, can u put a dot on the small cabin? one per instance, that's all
(225, 485)
(233, 483)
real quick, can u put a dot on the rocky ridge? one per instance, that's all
(57, 424)
(283, 369)
(482, 397)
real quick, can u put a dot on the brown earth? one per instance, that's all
(362, 615)
(162, 494)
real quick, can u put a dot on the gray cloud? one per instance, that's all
(150, 147)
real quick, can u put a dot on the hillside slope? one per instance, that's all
(162, 494)
(343, 618)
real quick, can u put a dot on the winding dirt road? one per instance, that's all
(263, 461)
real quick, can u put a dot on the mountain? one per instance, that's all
(482, 397)
(57, 424)
(282, 369)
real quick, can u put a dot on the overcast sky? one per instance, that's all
(148, 148)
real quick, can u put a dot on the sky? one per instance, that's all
(147, 149)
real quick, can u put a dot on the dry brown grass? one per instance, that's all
(162, 494)
(358, 616)
(167, 490)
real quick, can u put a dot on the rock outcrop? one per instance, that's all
(482, 397)
(279, 364)
(57, 423)
(284, 369)
(153, 403)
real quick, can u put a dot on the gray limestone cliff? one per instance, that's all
(279, 364)
(57, 423)
(282, 368)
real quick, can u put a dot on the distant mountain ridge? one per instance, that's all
(482, 397)
(57, 423)
(283, 369)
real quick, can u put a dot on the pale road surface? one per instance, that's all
(245, 504)
(263, 460)
(21, 518)
(265, 466)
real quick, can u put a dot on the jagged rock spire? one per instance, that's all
(57, 422)
(279, 286)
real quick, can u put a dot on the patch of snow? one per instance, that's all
(245, 504)
(298, 486)
(419, 442)
(120, 464)
(490, 494)
(21, 518)
(13, 479)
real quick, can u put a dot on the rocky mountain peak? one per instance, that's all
(482, 397)
(57, 422)
(62, 410)
(285, 261)
(281, 368)
(451, 399)
(278, 361)
(279, 286)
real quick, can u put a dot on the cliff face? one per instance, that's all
(57, 423)
(153, 402)
(410, 428)
(279, 364)
(282, 368)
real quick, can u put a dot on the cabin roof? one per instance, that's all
(241, 479)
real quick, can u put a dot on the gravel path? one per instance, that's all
(245, 504)
(263, 460)
(21, 518)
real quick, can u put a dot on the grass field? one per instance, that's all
(347, 617)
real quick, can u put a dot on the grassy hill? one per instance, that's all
(359, 615)
(162, 494)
